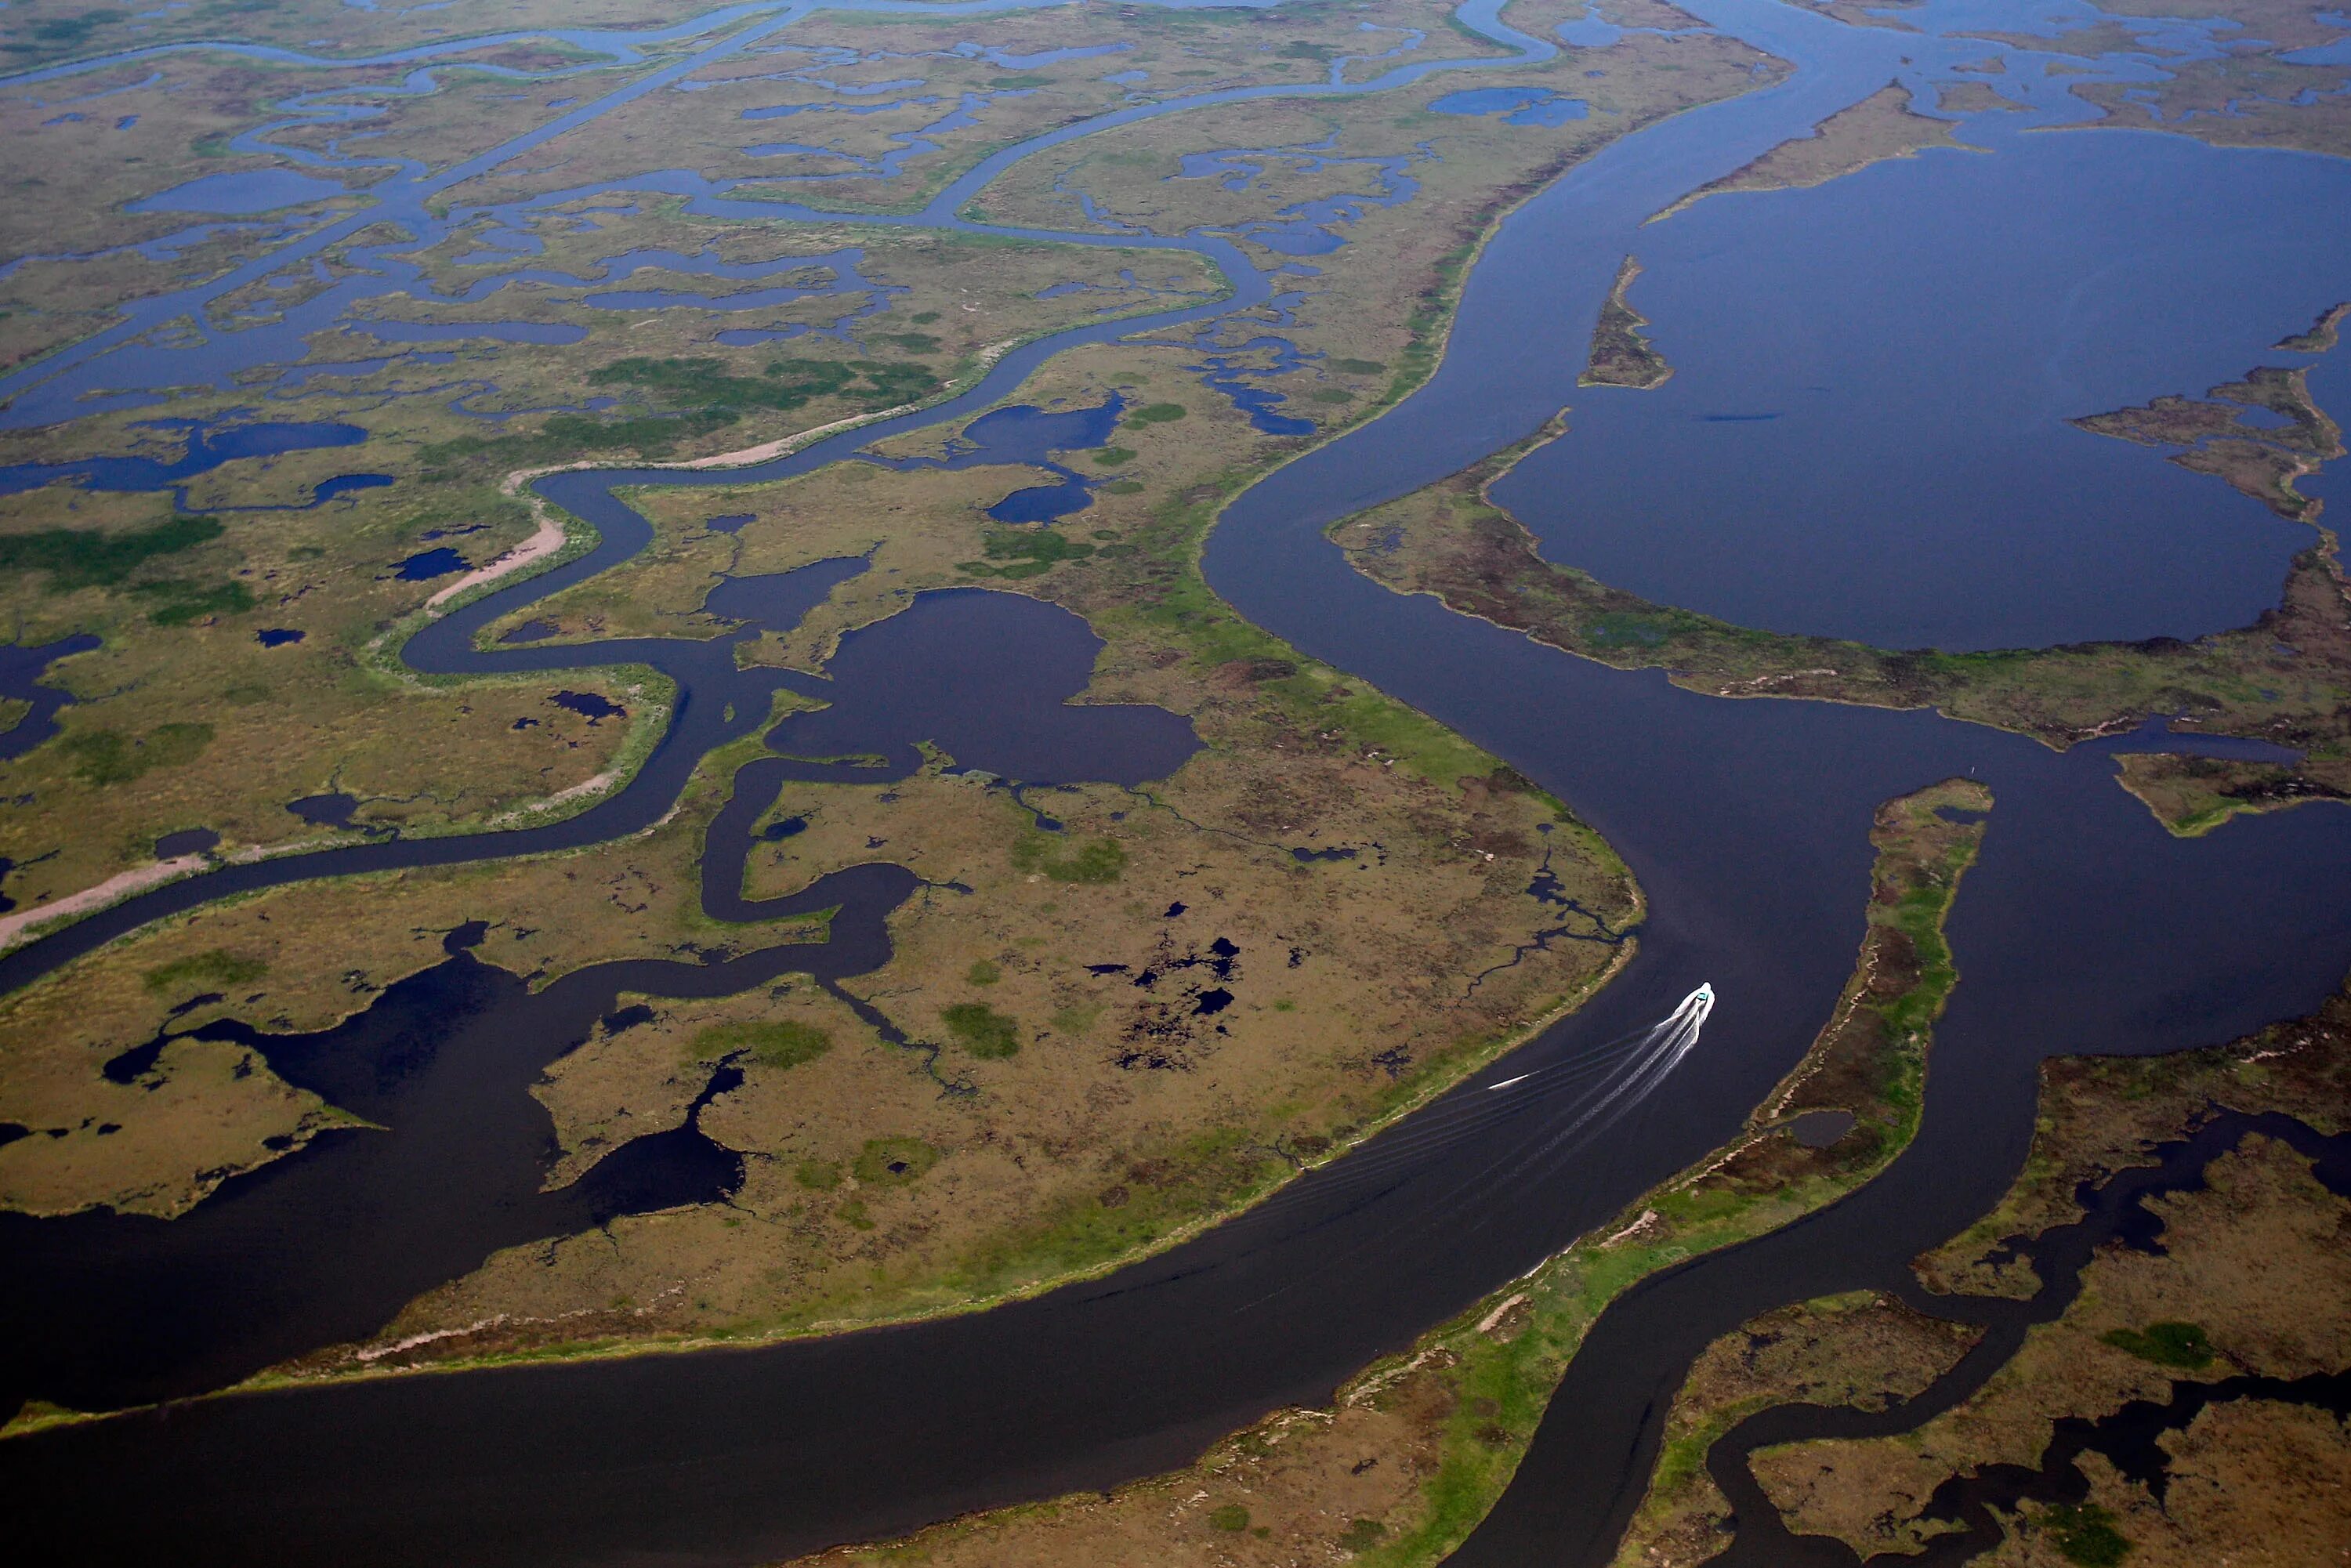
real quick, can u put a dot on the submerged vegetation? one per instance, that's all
(214, 970)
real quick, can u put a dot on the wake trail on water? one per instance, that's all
(1596, 1088)
(1583, 1094)
(1649, 1064)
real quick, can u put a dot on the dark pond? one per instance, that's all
(425, 565)
(331, 810)
(1027, 435)
(1819, 1129)
(591, 705)
(780, 599)
(186, 842)
(993, 695)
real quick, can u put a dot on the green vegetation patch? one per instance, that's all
(2086, 1535)
(110, 756)
(181, 603)
(1186, 611)
(570, 434)
(1157, 414)
(88, 558)
(1031, 553)
(1623, 630)
(2165, 1343)
(780, 1042)
(886, 1162)
(983, 973)
(787, 385)
(1095, 864)
(1229, 1516)
(982, 1031)
(217, 970)
(65, 32)
(817, 1175)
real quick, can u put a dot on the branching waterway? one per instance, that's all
(2115, 1208)
(2083, 927)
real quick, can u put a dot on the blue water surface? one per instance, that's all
(426, 565)
(208, 446)
(1516, 105)
(250, 190)
(1868, 430)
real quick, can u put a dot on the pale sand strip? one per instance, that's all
(18, 928)
(15, 929)
(784, 446)
(122, 884)
(550, 535)
(596, 786)
(545, 541)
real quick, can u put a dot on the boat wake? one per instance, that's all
(1580, 1094)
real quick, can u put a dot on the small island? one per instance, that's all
(1622, 354)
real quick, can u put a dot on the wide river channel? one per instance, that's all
(2084, 928)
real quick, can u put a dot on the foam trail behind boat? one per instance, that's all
(1597, 1084)
(1628, 1069)
(1661, 1050)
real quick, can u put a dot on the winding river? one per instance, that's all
(2084, 928)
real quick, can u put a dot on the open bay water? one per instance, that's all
(1867, 432)
(2083, 927)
